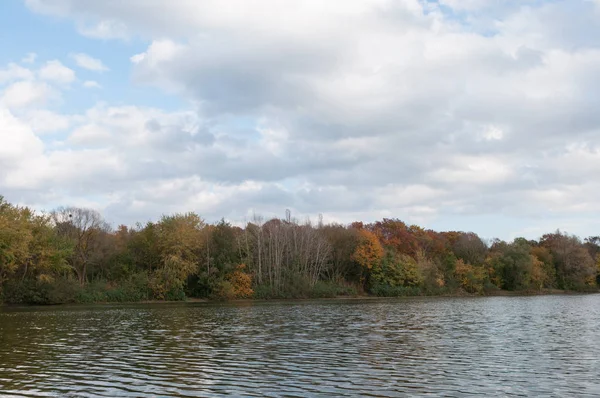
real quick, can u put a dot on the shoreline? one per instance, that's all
(194, 300)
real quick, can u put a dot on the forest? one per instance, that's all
(72, 255)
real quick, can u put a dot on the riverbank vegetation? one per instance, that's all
(73, 255)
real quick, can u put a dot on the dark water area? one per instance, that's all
(496, 346)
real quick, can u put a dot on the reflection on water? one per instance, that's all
(522, 346)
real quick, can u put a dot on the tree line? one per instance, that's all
(73, 255)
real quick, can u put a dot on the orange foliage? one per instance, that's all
(394, 233)
(241, 282)
(369, 251)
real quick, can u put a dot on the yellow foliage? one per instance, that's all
(592, 279)
(15, 237)
(46, 278)
(470, 277)
(241, 282)
(538, 274)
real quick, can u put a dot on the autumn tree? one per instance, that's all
(84, 229)
(397, 269)
(368, 252)
(471, 278)
(179, 247)
(430, 272)
(575, 268)
(470, 248)
(15, 238)
(397, 235)
(237, 285)
(544, 258)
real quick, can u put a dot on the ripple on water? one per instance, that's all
(508, 346)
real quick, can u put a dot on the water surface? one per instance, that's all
(501, 346)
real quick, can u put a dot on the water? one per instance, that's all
(501, 346)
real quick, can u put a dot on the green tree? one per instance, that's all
(15, 238)
(513, 264)
(179, 246)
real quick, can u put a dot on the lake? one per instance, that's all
(501, 346)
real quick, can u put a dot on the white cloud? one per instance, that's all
(468, 5)
(158, 51)
(26, 93)
(105, 29)
(366, 109)
(14, 72)
(91, 84)
(19, 144)
(493, 133)
(55, 71)
(474, 170)
(29, 58)
(42, 121)
(87, 62)
(90, 135)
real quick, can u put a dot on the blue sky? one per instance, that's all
(50, 37)
(467, 115)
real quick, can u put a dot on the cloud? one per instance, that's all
(91, 84)
(370, 108)
(106, 29)
(30, 58)
(87, 62)
(19, 144)
(56, 72)
(14, 72)
(43, 121)
(26, 93)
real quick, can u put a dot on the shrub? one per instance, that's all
(241, 282)
(324, 289)
(395, 291)
(265, 292)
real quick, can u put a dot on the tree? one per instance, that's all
(343, 242)
(47, 252)
(598, 270)
(84, 229)
(513, 264)
(470, 248)
(546, 261)
(395, 234)
(15, 238)
(241, 282)
(575, 268)
(469, 277)
(430, 273)
(539, 278)
(368, 252)
(179, 249)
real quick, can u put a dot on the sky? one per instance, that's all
(472, 115)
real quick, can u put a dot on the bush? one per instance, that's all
(395, 291)
(175, 294)
(30, 291)
(324, 289)
(224, 291)
(265, 292)
(25, 292)
(132, 290)
(68, 290)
